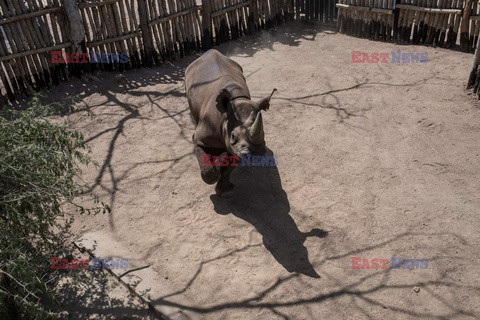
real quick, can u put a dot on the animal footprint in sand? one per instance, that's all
(436, 167)
(430, 126)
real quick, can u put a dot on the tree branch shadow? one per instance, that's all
(360, 290)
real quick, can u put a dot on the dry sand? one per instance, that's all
(375, 161)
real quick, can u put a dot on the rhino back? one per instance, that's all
(204, 79)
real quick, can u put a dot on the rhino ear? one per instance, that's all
(223, 99)
(264, 104)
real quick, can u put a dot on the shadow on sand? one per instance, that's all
(260, 200)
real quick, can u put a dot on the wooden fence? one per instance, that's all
(470, 32)
(366, 18)
(153, 31)
(429, 22)
(319, 10)
(433, 22)
(29, 31)
(112, 26)
(150, 31)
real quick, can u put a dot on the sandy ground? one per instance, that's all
(375, 161)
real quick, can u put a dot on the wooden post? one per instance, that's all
(473, 78)
(253, 18)
(297, 11)
(207, 24)
(77, 30)
(146, 35)
(467, 11)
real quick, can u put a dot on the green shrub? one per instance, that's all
(39, 162)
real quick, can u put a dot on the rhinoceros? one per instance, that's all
(227, 120)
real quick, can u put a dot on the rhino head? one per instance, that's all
(242, 128)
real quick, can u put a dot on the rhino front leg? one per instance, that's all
(210, 174)
(224, 186)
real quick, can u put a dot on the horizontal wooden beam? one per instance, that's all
(173, 16)
(96, 3)
(29, 15)
(115, 39)
(474, 17)
(369, 9)
(237, 6)
(36, 51)
(430, 10)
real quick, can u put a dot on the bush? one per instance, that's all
(39, 162)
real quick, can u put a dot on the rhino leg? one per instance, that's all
(224, 186)
(210, 174)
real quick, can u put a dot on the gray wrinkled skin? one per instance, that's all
(227, 119)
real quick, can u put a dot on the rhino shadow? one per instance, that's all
(260, 200)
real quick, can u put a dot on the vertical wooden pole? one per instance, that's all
(467, 11)
(207, 24)
(77, 31)
(253, 18)
(456, 26)
(474, 28)
(146, 35)
(472, 79)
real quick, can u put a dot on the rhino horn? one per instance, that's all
(250, 119)
(256, 130)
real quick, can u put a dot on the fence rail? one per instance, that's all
(366, 18)
(153, 31)
(28, 32)
(434, 22)
(149, 31)
(320, 10)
